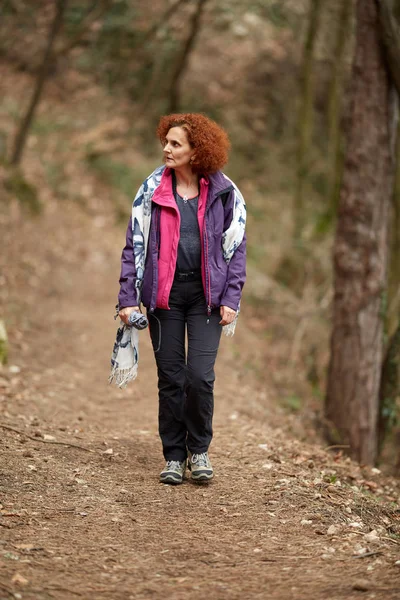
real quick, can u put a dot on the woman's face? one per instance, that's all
(177, 150)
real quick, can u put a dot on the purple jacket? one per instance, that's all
(223, 284)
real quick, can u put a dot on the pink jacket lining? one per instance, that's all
(170, 222)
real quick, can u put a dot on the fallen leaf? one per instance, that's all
(19, 579)
(361, 585)
(333, 529)
(371, 485)
(372, 536)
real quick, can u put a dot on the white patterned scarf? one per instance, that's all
(125, 355)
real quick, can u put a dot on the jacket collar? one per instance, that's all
(163, 194)
(217, 183)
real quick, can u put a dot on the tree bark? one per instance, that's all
(26, 122)
(180, 66)
(361, 246)
(305, 127)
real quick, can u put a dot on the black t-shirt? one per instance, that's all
(189, 248)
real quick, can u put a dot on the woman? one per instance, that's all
(184, 259)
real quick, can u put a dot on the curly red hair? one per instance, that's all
(210, 141)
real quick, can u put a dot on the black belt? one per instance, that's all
(188, 275)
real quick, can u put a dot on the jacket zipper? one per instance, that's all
(207, 269)
(155, 263)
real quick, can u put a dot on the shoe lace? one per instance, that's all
(173, 464)
(200, 459)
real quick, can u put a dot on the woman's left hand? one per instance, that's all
(227, 315)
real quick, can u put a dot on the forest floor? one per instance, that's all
(282, 518)
(82, 513)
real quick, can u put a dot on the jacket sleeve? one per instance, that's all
(236, 277)
(127, 294)
(237, 267)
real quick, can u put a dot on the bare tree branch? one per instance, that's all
(23, 131)
(184, 56)
(91, 16)
(163, 20)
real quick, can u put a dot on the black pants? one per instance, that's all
(185, 380)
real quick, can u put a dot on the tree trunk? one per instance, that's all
(389, 15)
(361, 246)
(180, 66)
(390, 389)
(389, 12)
(335, 135)
(393, 293)
(26, 122)
(305, 127)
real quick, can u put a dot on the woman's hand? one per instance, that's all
(125, 312)
(227, 315)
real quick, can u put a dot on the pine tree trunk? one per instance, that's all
(361, 246)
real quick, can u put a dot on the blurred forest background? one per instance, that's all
(83, 84)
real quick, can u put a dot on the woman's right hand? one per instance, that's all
(125, 312)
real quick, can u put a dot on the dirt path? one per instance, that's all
(94, 525)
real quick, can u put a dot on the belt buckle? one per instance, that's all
(186, 276)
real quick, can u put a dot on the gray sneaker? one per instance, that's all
(201, 467)
(173, 472)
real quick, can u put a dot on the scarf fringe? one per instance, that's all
(121, 377)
